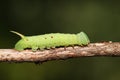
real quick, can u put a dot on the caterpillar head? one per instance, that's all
(21, 44)
(83, 38)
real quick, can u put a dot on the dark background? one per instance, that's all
(99, 19)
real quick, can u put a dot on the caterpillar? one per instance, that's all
(51, 40)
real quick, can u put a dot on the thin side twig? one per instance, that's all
(93, 49)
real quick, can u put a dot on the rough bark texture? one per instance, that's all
(93, 49)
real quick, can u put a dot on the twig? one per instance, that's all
(93, 49)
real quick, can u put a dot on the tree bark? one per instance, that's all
(93, 49)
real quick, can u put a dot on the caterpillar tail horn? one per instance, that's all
(21, 35)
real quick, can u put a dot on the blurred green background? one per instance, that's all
(99, 19)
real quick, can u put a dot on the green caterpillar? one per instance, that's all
(51, 40)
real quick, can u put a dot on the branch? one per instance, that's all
(93, 49)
